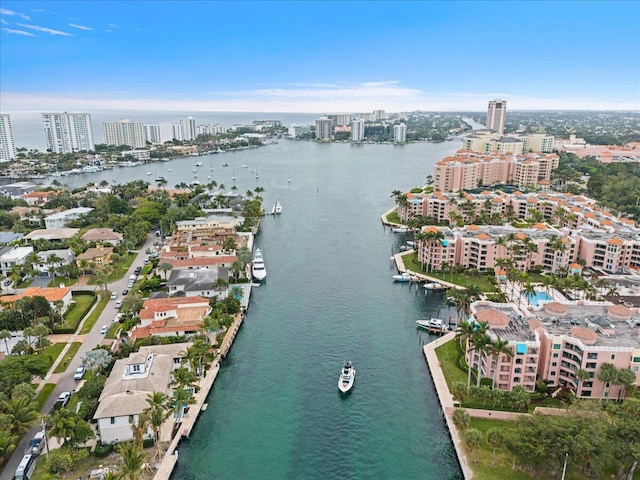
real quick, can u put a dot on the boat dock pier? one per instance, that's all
(165, 469)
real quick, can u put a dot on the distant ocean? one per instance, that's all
(28, 130)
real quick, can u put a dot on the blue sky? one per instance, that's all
(318, 56)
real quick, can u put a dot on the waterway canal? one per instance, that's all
(275, 411)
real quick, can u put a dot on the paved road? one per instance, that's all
(64, 381)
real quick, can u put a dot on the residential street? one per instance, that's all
(64, 381)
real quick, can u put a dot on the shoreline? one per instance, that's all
(171, 455)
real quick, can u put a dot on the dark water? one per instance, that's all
(275, 411)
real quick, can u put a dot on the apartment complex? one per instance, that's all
(468, 170)
(357, 130)
(399, 133)
(551, 341)
(296, 131)
(487, 141)
(68, 132)
(188, 128)
(7, 145)
(324, 128)
(124, 132)
(496, 114)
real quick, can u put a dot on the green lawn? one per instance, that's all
(118, 271)
(62, 366)
(53, 351)
(55, 282)
(484, 471)
(93, 318)
(393, 217)
(83, 302)
(463, 279)
(44, 394)
(447, 355)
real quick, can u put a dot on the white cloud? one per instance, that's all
(107, 30)
(50, 31)
(79, 27)
(19, 32)
(4, 11)
(305, 98)
(112, 25)
(3, 21)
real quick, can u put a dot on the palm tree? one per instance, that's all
(181, 399)
(462, 302)
(5, 335)
(132, 460)
(581, 375)
(464, 335)
(63, 425)
(140, 428)
(183, 379)
(8, 443)
(22, 413)
(165, 267)
(483, 346)
(220, 285)
(53, 262)
(157, 412)
(608, 374)
(499, 347)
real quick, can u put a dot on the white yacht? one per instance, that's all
(277, 208)
(432, 325)
(347, 377)
(258, 270)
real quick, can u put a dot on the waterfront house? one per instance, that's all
(60, 220)
(198, 283)
(202, 262)
(130, 382)
(52, 234)
(171, 316)
(97, 256)
(37, 198)
(16, 190)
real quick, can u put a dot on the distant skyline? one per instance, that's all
(318, 56)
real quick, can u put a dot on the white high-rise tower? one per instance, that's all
(124, 132)
(399, 133)
(7, 146)
(357, 130)
(188, 127)
(68, 132)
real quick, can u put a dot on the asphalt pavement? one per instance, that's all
(65, 382)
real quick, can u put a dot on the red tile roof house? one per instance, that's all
(52, 295)
(171, 316)
(37, 198)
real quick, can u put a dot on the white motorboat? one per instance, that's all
(258, 270)
(399, 230)
(404, 277)
(432, 325)
(198, 164)
(277, 208)
(347, 377)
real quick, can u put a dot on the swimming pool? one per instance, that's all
(535, 298)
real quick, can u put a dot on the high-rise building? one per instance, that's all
(324, 127)
(188, 127)
(357, 130)
(152, 133)
(399, 133)
(68, 132)
(124, 132)
(7, 146)
(166, 131)
(177, 132)
(380, 114)
(495, 115)
(296, 131)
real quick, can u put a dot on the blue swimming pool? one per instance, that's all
(535, 298)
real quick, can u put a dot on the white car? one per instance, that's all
(117, 318)
(104, 329)
(79, 373)
(118, 304)
(114, 295)
(64, 398)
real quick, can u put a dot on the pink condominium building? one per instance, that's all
(551, 341)
(467, 170)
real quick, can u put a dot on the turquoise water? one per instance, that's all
(275, 411)
(537, 297)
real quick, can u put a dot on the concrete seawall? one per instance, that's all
(188, 422)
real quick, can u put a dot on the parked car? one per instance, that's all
(104, 329)
(35, 444)
(117, 318)
(118, 304)
(147, 261)
(7, 282)
(125, 292)
(79, 373)
(114, 295)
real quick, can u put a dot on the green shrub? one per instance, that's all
(102, 451)
(148, 442)
(486, 381)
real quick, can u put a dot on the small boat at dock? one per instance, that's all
(399, 230)
(435, 286)
(258, 270)
(347, 377)
(405, 277)
(277, 208)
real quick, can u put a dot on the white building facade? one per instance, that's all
(68, 132)
(7, 145)
(188, 127)
(124, 132)
(399, 133)
(496, 114)
(357, 130)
